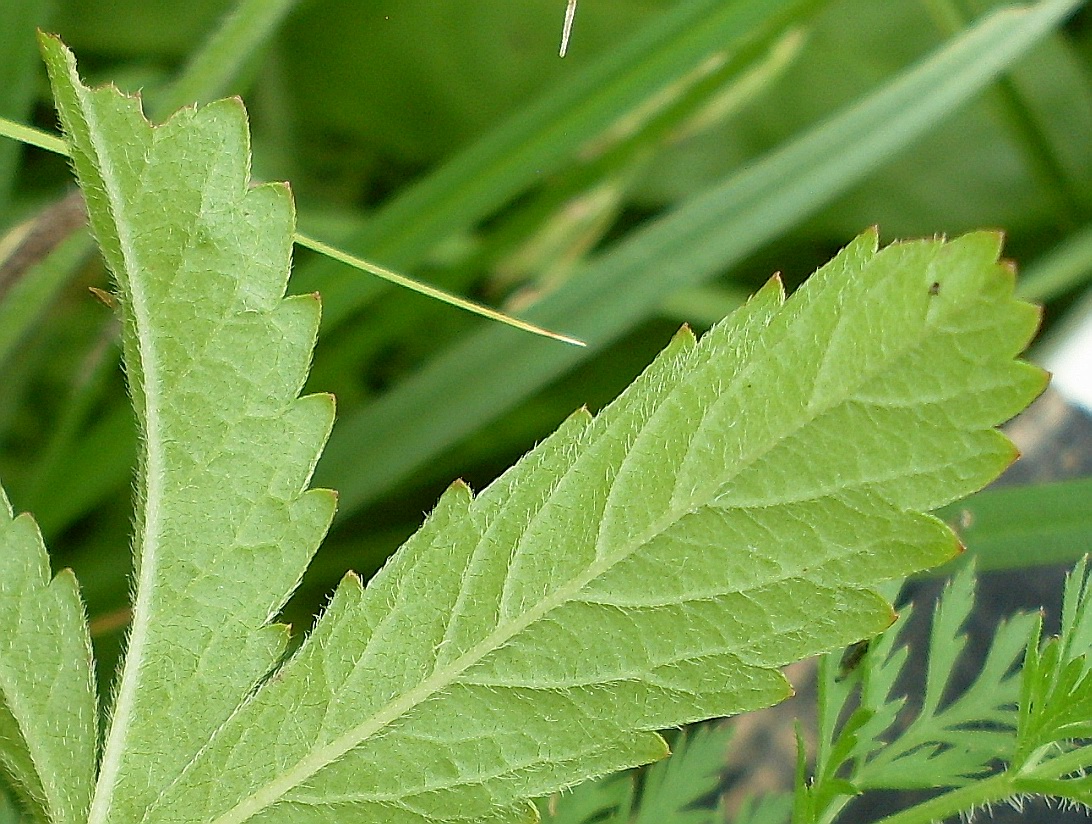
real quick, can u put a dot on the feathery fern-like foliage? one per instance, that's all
(1019, 729)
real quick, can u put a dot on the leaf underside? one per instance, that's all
(215, 359)
(652, 565)
(642, 568)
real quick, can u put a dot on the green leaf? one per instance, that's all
(1061, 270)
(649, 566)
(24, 301)
(215, 360)
(670, 791)
(1044, 737)
(769, 809)
(605, 800)
(634, 79)
(18, 68)
(239, 36)
(999, 525)
(48, 712)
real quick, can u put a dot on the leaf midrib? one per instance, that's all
(147, 547)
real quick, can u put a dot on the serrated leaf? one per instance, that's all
(48, 711)
(649, 566)
(215, 360)
(470, 383)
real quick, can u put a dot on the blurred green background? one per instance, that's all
(683, 152)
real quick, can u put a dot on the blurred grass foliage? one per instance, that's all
(682, 152)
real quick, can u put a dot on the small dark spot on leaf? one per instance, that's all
(934, 289)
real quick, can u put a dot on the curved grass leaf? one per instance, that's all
(650, 566)
(997, 526)
(48, 712)
(238, 37)
(215, 360)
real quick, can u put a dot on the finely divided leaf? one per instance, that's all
(1056, 695)
(952, 738)
(674, 789)
(650, 566)
(215, 359)
(48, 712)
(883, 742)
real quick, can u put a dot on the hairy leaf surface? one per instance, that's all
(215, 360)
(649, 566)
(48, 713)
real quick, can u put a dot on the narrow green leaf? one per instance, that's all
(48, 711)
(1061, 270)
(429, 291)
(18, 68)
(1018, 526)
(215, 360)
(32, 137)
(476, 380)
(238, 37)
(67, 486)
(650, 566)
(24, 300)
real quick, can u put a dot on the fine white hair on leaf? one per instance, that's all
(567, 30)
